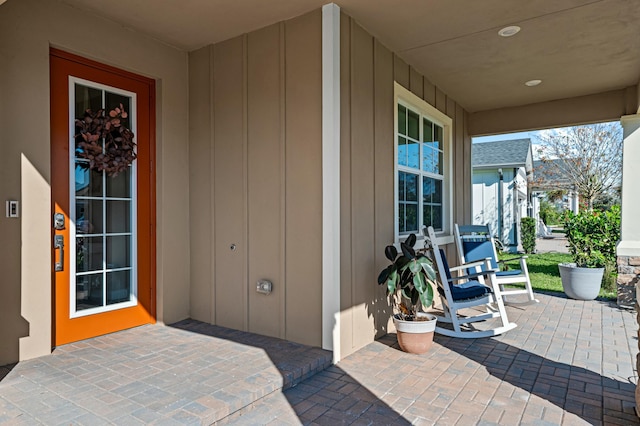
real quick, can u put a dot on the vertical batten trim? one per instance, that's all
(331, 179)
(212, 177)
(245, 177)
(283, 181)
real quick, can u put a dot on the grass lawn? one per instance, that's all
(544, 273)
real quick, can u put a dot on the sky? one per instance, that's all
(533, 135)
(508, 136)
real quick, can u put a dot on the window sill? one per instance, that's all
(441, 239)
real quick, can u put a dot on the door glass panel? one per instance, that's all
(105, 277)
(89, 291)
(88, 182)
(118, 287)
(120, 186)
(89, 254)
(87, 98)
(118, 216)
(89, 216)
(118, 252)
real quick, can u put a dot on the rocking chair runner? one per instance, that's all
(474, 242)
(468, 293)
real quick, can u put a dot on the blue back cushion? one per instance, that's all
(468, 290)
(445, 263)
(479, 250)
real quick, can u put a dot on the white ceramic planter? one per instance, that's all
(580, 283)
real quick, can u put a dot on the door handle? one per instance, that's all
(58, 244)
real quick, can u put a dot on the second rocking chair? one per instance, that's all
(474, 242)
(458, 292)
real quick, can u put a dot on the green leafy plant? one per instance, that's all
(593, 237)
(408, 278)
(548, 213)
(528, 234)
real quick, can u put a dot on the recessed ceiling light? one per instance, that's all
(532, 83)
(509, 31)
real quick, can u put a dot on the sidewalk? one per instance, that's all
(556, 244)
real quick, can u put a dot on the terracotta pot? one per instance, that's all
(416, 337)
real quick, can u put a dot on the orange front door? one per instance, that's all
(103, 230)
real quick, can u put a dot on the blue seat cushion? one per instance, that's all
(509, 273)
(468, 290)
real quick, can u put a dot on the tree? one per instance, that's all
(588, 157)
(548, 213)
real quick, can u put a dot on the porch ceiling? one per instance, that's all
(576, 47)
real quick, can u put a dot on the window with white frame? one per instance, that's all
(422, 140)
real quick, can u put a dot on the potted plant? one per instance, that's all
(408, 280)
(592, 238)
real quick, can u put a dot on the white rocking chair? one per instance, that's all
(474, 242)
(469, 293)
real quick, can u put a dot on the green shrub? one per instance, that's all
(593, 237)
(548, 213)
(528, 233)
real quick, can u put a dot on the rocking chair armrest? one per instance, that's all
(477, 266)
(513, 258)
(452, 280)
(473, 264)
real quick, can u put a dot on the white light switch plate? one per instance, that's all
(12, 208)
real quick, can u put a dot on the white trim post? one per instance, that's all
(628, 250)
(331, 179)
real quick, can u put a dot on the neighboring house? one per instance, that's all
(284, 141)
(501, 173)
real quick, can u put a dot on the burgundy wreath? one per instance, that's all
(119, 148)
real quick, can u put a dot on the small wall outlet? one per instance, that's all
(264, 287)
(13, 208)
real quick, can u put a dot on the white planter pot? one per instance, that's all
(416, 337)
(580, 283)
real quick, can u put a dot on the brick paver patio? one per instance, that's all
(568, 362)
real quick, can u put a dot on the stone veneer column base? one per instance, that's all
(628, 277)
(638, 363)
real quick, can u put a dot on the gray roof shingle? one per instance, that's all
(511, 153)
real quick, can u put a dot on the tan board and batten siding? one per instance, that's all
(26, 307)
(257, 133)
(368, 71)
(256, 161)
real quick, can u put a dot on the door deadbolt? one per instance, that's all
(58, 221)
